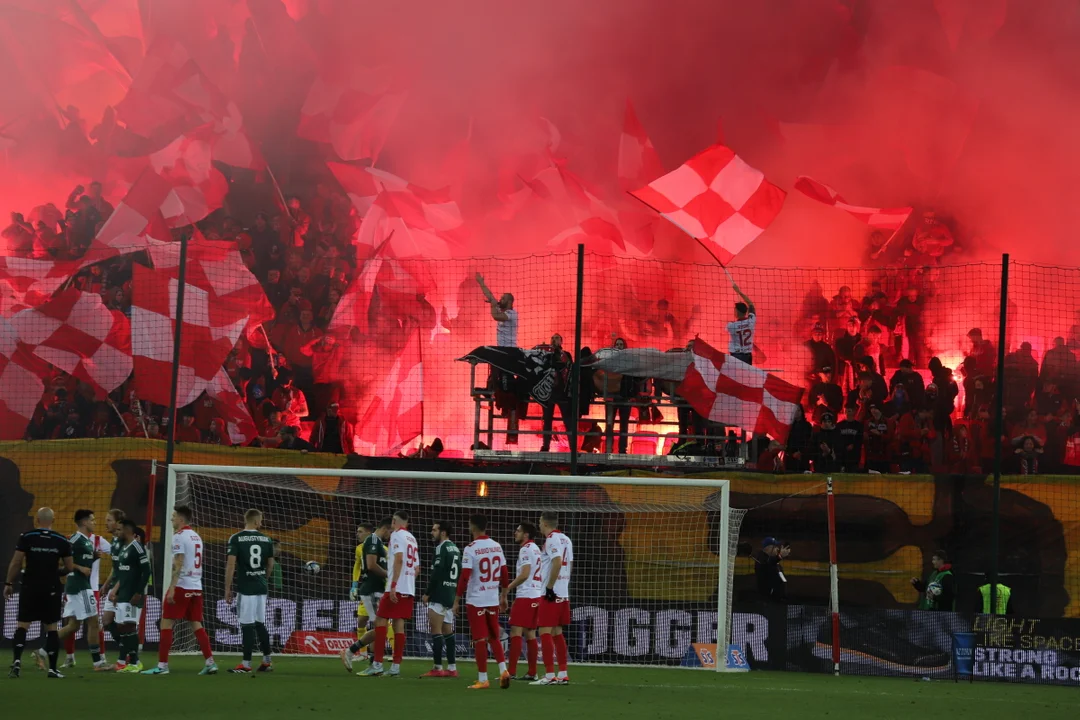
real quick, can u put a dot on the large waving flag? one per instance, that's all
(716, 198)
(881, 218)
(21, 388)
(729, 391)
(639, 163)
(395, 416)
(75, 332)
(355, 119)
(135, 223)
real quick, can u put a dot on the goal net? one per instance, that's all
(653, 557)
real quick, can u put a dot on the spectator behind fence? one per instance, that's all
(333, 433)
(559, 363)
(850, 432)
(1002, 594)
(938, 591)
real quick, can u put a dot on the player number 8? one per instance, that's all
(255, 557)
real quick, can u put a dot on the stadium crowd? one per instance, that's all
(876, 399)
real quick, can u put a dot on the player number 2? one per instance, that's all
(255, 557)
(489, 569)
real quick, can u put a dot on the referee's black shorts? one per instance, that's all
(42, 605)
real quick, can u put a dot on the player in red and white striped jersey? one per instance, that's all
(483, 573)
(528, 584)
(554, 612)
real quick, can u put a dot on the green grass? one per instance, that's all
(305, 687)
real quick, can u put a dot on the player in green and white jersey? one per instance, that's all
(251, 552)
(131, 574)
(81, 602)
(369, 582)
(441, 591)
(108, 609)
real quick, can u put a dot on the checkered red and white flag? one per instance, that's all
(21, 387)
(881, 218)
(354, 118)
(716, 198)
(76, 332)
(423, 223)
(135, 223)
(221, 298)
(32, 282)
(729, 391)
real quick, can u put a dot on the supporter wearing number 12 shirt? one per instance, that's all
(741, 329)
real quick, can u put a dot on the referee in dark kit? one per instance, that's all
(47, 557)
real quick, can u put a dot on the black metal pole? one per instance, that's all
(170, 437)
(999, 422)
(575, 370)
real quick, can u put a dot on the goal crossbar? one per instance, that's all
(722, 488)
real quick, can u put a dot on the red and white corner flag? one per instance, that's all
(716, 198)
(729, 391)
(880, 218)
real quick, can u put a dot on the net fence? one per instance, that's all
(639, 551)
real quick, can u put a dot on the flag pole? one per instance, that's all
(181, 280)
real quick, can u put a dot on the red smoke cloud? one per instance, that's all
(963, 105)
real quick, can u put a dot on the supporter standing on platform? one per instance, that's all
(741, 329)
(771, 583)
(938, 591)
(506, 335)
(560, 363)
(504, 314)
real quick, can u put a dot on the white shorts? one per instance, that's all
(446, 612)
(126, 613)
(108, 605)
(251, 609)
(81, 605)
(371, 604)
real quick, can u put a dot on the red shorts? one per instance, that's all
(483, 622)
(554, 614)
(524, 612)
(400, 610)
(186, 605)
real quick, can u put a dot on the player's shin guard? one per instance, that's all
(399, 647)
(164, 645)
(18, 643)
(248, 634)
(52, 647)
(515, 653)
(379, 647)
(531, 653)
(204, 643)
(450, 646)
(436, 649)
(95, 653)
(549, 653)
(560, 652)
(264, 639)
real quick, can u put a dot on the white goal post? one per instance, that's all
(653, 557)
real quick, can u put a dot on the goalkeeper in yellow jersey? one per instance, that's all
(369, 581)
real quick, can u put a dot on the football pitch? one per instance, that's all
(301, 687)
